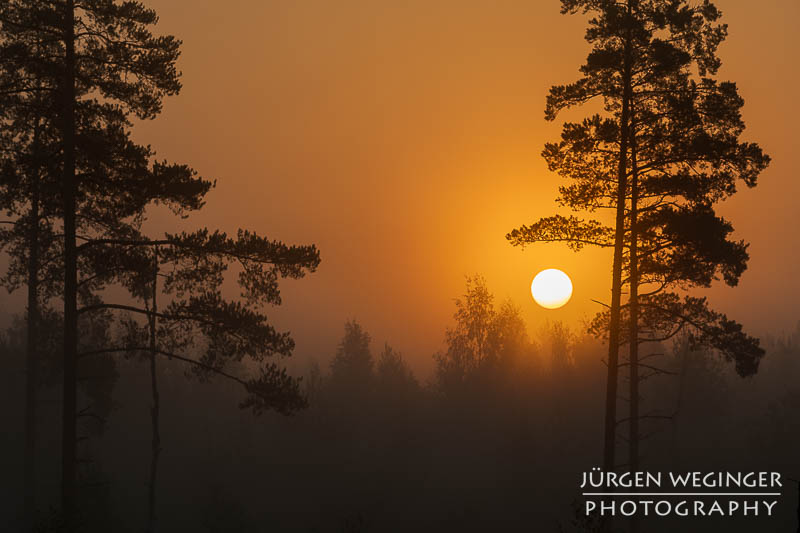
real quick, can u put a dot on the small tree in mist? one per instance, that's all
(516, 352)
(483, 342)
(468, 347)
(393, 376)
(352, 367)
(559, 342)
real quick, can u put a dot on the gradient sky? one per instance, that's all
(403, 138)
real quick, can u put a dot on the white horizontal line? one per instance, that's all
(681, 493)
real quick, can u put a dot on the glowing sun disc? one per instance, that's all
(551, 288)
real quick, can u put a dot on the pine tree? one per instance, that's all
(27, 234)
(93, 63)
(677, 129)
(102, 66)
(179, 280)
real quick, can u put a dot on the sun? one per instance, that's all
(551, 288)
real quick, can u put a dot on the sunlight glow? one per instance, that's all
(551, 288)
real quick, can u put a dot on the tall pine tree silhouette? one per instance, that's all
(665, 151)
(102, 66)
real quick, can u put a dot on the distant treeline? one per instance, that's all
(495, 440)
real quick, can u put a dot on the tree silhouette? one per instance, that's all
(196, 316)
(102, 66)
(602, 182)
(468, 343)
(484, 343)
(106, 65)
(685, 156)
(392, 374)
(352, 367)
(672, 135)
(28, 236)
(561, 342)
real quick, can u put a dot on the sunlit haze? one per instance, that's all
(426, 119)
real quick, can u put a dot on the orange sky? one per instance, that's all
(403, 138)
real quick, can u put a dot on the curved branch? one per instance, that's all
(165, 354)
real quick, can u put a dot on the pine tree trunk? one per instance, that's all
(633, 324)
(154, 411)
(31, 362)
(69, 418)
(610, 437)
(609, 455)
